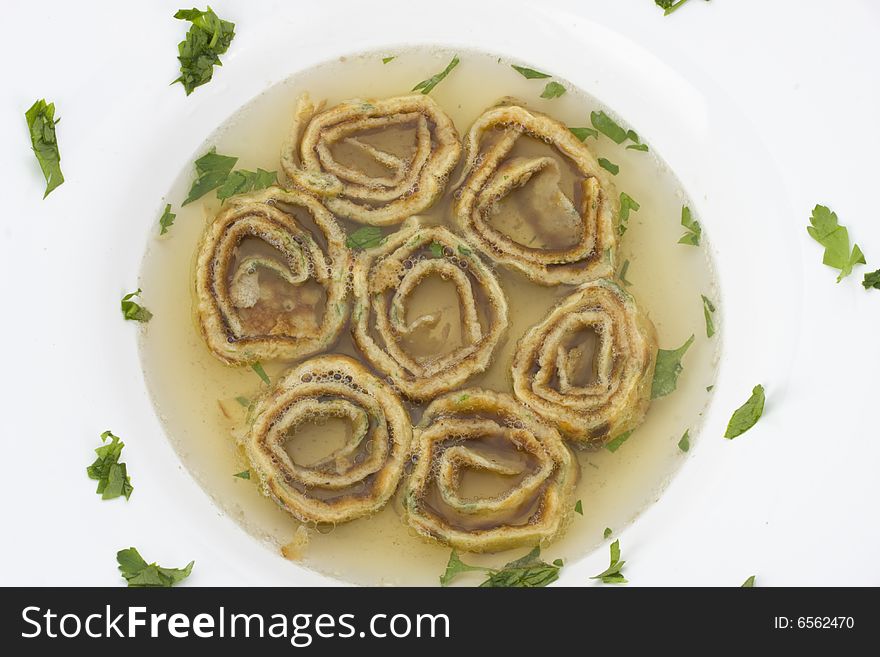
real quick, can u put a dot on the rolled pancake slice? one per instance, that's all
(376, 162)
(386, 329)
(272, 276)
(488, 474)
(591, 397)
(356, 479)
(562, 193)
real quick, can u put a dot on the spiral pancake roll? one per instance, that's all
(384, 282)
(528, 474)
(376, 162)
(589, 402)
(356, 479)
(578, 227)
(272, 278)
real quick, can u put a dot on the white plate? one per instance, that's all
(758, 128)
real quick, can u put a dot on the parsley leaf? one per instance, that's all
(579, 507)
(835, 239)
(207, 39)
(258, 368)
(244, 474)
(44, 142)
(385, 60)
(608, 165)
(670, 6)
(244, 401)
(166, 220)
(636, 144)
(436, 250)
(608, 127)
(708, 309)
(667, 369)
(615, 444)
(685, 443)
(552, 90)
(529, 73)
(745, 417)
(367, 237)
(463, 250)
(692, 237)
(138, 573)
(749, 583)
(607, 532)
(627, 204)
(529, 571)
(426, 86)
(456, 566)
(583, 133)
(212, 170)
(133, 310)
(872, 280)
(621, 275)
(111, 475)
(612, 574)
(241, 181)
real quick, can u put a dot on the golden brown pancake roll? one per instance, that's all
(531, 474)
(376, 162)
(355, 480)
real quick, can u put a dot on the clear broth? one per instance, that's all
(195, 395)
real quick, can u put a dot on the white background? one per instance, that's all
(794, 501)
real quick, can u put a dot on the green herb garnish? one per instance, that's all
(464, 250)
(872, 280)
(41, 123)
(456, 566)
(244, 401)
(708, 309)
(835, 238)
(670, 6)
(166, 220)
(608, 127)
(208, 38)
(552, 90)
(622, 273)
(529, 73)
(111, 475)
(668, 368)
(244, 474)
(608, 165)
(367, 237)
(138, 573)
(749, 583)
(745, 417)
(694, 231)
(614, 445)
(426, 86)
(579, 507)
(612, 574)
(627, 204)
(463, 398)
(685, 443)
(133, 310)
(527, 572)
(258, 368)
(436, 250)
(607, 532)
(583, 133)
(385, 60)
(241, 181)
(636, 144)
(212, 170)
